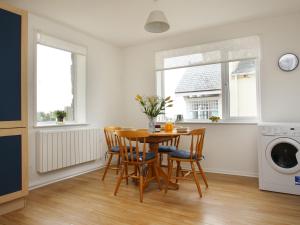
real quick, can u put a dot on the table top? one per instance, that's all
(170, 133)
(162, 133)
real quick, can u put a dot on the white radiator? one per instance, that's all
(58, 149)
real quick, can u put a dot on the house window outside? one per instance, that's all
(60, 80)
(202, 109)
(203, 84)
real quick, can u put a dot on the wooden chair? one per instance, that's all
(168, 146)
(137, 156)
(193, 156)
(112, 148)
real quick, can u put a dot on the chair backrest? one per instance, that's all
(174, 141)
(133, 145)
(110, 136)
(197, 140)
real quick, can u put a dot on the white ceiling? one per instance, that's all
(121, 22)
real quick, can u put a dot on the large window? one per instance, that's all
(55, 83)
(218, 79)
(60, 80)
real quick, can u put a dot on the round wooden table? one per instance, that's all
(154, 140)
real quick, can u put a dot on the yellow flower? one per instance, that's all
(152, 100)
(138, 98)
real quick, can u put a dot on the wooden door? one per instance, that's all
(13, 164)
(13, 67)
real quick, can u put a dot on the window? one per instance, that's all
(60, 80)
(218, 79)
(55, 82)
(202, 109)
(242, 88)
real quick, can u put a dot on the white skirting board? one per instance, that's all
(219, 170)
(58, 149)
(38, 184)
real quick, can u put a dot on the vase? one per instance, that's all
(151, 124)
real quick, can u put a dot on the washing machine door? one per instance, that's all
(283, 154)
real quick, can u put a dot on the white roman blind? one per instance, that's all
(210, 53)
(60, 44)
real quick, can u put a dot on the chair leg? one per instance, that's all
(135, 174)
(156, 175)
(126, 173)
(160, 159)
(196, 179)
(170, 170)
(118, 164)
(119, 180)
(141, 185)
(178, 169)
(107, 166)
(202, 174)
(135, 170)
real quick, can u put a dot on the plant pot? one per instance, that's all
(60, 119)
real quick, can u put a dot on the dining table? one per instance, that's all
(154, 140)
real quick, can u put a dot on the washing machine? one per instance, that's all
(279, 157)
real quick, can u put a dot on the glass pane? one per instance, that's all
(284, 155)
(196, 91)
(54, 83)
(242, 88)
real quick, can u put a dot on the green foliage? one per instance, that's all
(42, 116)
(60, 114)
(153, 105)
(214, 118)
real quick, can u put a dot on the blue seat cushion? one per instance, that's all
(181, 154)
(149, 155)
(117, 149)
(164, 148)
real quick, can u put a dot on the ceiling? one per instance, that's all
(121, 22)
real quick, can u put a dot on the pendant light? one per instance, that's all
(157, 22)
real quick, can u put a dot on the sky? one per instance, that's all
(54, 80)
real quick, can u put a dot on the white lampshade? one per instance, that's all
(157, 22)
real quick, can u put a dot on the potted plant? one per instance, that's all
(214, 119)
(153, 106)
(60, 115)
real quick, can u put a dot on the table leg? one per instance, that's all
(172, 185)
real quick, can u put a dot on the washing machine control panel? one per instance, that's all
(280, 131)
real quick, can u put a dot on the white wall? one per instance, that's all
(104, 66)
(229, 148)
(115, 76)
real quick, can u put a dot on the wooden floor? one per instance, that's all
(85, 200)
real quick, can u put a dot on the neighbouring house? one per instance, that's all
(199, 90)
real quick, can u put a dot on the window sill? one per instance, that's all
(216, 123)
(59, 125)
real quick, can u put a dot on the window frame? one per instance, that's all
(225, 92)
(79, 114)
